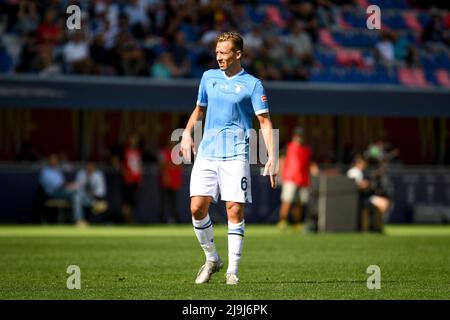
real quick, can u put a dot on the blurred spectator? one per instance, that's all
(180, 54)
(6, 61)
(357, 173)
(406, 52)
(28, 18)
(28, 54)
(305, 12)
(136, 12)
(49, 31)
(292, 67)
(433, 30)
(132, 176)
(100, 56)
(77, 56)
(265, 66)
(48, 35)
(130, 57)
(295, 180)
(253, 41)
(164, 67)
(380, 196)
(54, 184)
(381, 150)
(171, 181)
(385, 52)
(301, 42)
(91, 191)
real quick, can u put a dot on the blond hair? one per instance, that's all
(234, 37)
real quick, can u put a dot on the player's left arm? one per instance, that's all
(267, 131)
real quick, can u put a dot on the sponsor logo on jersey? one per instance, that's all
(264, 98)
(238, 88)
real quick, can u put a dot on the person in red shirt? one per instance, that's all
(295, 175)
(171, 181)
(131, 176)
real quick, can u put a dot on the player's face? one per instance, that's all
(226, 56)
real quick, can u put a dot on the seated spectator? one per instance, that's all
(91, 190)
(28, 17)
(253, 41)
(77, 56)
(301, 41)
(433, 30)
(137, 17)
(385, 52)
(130, 56)
(406, 52)
(6, 61)
(380, 196)
(381, 151)
(164, 67)
(180, 54)
(292, 67)
(54, 184)
(305, 12)
(356, 172)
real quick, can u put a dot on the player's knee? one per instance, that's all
(199, 210)
(235, 212)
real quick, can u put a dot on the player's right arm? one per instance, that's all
(187, 143)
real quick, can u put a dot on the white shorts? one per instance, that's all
(291, 193)
(229, 178)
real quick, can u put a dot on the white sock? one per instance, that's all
(235, 242)
(204, 232)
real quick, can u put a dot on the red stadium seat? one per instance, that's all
(412, 22)
(350, 57)
(443, 77)
(327, 39)
(363, 3)
(413, 77)
(274, 14)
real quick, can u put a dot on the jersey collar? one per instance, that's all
(232, 77)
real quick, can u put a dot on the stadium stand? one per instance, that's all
(172, 39)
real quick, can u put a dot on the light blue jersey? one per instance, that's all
(230, 104)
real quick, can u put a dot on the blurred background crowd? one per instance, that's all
(310, 40)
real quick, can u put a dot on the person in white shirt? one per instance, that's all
(92, 191)
(356, 172)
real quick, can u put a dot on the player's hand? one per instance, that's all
(187, 145)
(270, 170)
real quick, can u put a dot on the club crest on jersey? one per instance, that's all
(264, 98)
(238, 88)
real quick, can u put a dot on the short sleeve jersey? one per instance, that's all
(231, 103)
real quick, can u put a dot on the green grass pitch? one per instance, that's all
(160, 262)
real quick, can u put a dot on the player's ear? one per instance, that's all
(238, 54)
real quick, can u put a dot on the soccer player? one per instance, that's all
(228, 97)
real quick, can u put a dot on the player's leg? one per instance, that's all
(204, 189)
(203, 226)
(235, 188)
(236, 227)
